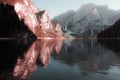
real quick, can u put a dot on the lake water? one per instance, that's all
(84, 59)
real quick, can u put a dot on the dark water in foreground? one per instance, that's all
(60, 60)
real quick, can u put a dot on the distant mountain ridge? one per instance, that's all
(88, 20)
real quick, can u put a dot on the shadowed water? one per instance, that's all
(59, 60)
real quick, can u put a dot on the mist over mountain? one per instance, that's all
(88, 20)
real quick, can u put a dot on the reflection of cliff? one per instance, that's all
(9, 52)
(89, 55)
(38, 22)
(112, 44)
(28, 59)
(39, 51)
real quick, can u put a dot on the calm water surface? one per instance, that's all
(60, 60)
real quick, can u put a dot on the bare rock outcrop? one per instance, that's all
(48, 28)
(37, 21)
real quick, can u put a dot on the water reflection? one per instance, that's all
(40, 50)
(10, 50)
(61, 60)
(112, 44)
(88, 55)
(82, 60)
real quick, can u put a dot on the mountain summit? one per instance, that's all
(88, 20)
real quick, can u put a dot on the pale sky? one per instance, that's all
(56, 7)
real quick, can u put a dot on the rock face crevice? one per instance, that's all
(38, 22)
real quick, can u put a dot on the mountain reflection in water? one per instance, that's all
(41, 50)
(54, 59)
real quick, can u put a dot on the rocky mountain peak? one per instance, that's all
(26, 11)
(95, 12)
(89, 19)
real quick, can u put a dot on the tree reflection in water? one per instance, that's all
(40, 49)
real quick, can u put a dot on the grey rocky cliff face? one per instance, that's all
(88, 20)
